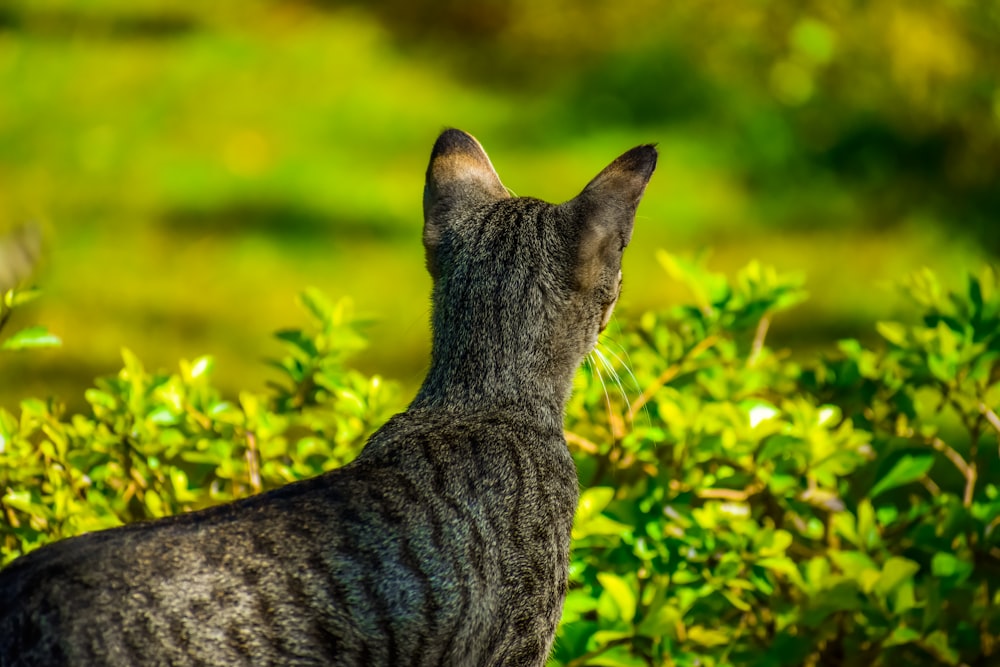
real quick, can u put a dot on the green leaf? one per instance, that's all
(945, 565)
(661, 617)
(617, 656)
(19, 500)
(853, 563)
(37, 336)
(18, 297)
(868, 532)
(202, 366)
(593, 501)
(99, 398)
(600, 525)
(895, 572)
(734, 599)
(901, 635)
(709, 289)
(707, 637)
(299, 340)
(975, 294)
(908, 468)
(759, 411)
(621, 592)
(937, 644)
(904, 597)
(314, 301)
(786, 566)
(894, 332)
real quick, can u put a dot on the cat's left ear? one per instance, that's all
(605, 212)
(460, 177)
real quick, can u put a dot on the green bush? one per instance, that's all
(161, 443)
(739, 507)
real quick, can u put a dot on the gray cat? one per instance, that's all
(446, 541)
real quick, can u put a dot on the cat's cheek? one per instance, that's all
(606, 316)
(592, 343)
(609, 308)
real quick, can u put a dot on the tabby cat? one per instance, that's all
(446, 541)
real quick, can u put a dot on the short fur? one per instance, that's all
(446, 542)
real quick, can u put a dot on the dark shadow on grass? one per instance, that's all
(156, 25)
(806, 335)
(283, 221)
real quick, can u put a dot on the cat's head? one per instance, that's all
(517, 279)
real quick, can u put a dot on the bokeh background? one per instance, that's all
(195, 164)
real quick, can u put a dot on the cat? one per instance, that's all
(446, 542)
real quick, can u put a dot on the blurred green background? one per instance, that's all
(195, 164)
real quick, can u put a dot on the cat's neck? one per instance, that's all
(486, 384)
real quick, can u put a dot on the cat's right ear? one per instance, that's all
(460, 177)
(605, 213)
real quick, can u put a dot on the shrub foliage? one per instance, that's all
(739, 507)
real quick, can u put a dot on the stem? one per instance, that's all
(758, 340)
(253, 463)
(991, 417)
(580, 442)
(930, 485)
(968, 471)
(204, 421)
(730, 494)
(5, 314)
(669, 374)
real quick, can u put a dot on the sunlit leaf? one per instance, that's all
(894, 332)
(621, 592)
(699, 634)
(948, 565)
(895, 572)
(36, 336)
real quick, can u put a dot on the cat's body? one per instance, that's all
(398, 563)
(446, 542)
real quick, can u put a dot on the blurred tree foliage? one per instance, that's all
(189, 157)
(899, 98)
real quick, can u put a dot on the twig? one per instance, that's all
(968, 471)
(253, 463)
(580, 442)
(930, 485)
(668, 375)
(730, 494)
(991, 417)
(5, 314)
(758, 340)
(203, 420)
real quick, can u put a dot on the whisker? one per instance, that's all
(614, 374)
(600, 375)
(627, 365)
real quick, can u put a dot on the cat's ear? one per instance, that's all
(605, 212)
(460, 177)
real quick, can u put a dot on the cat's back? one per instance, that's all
(399, 554)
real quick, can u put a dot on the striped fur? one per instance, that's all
(445, 542)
